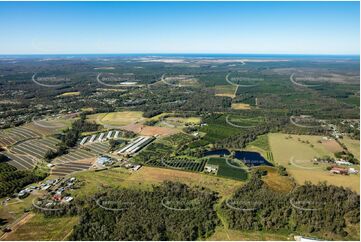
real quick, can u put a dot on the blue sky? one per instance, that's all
(180, 27)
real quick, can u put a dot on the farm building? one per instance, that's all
(101, 137)
(339, 170)
(104, 160)
(116, 134)
(92, 138)
(109, 135)
(136, 145)
(83, 140)
(211, 168)
(352, 171)
(343, 162)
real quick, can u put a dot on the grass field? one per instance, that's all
(116, 118)
(225, 170)
(285, 149)
(225, 90)
(275, 181)
(241, 106)
(234, 235)
(352, 145)
(148, 176)
(67, 94)
(245, 121)
(40, 228)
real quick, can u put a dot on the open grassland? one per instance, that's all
(245, 121)
(116, 118)
(179, 122)
(148, 176)
(39, 227)
(352, 145)
(67, 94)
(261, 145)
(241, 106)
(225, 90)
(275, 181)
(150, 130)
(295, 154)
(14, 209)
(222, 233)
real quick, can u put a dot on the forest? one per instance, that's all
(323, 209)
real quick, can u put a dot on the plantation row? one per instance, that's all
(181, 164)
(14, 135)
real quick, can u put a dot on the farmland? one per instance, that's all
(217, 129)
(116, 118)
(296, 154)
(179, 164)
(146, 176)
(14, 135)
(36, 147)
(229, 169)
(241, 106)
(225, 90)
(353, 146)
(189, 112)
(57, 228)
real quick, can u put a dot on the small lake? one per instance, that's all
(221, 152)
(249, 158)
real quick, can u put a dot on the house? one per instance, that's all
(23, 194)
(68, 199)
(211, 168)
(137, 167)
(339, 170)
(352, 171)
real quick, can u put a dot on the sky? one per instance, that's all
(180, 27)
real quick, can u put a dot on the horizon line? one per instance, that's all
(181, 53)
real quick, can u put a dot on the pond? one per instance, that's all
(221, 152)
(249, 158)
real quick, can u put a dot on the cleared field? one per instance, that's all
(150, 130)
(295, 154)
(352, 145)
(222, 233)
(147, 176)
(225, 90)
(39, 227)
(179, 122)
(66, 94)
(275, 181)
(332, 146)
(116, 118)
(241, 106)
(49, 125)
